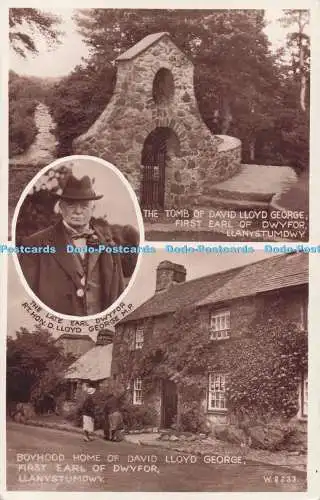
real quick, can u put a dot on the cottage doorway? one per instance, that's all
(169, 404)
(158, 147)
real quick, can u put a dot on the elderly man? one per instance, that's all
(76, 284)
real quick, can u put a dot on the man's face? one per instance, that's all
(77, 213)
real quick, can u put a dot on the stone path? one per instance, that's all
(43, 149)
(253, 188)
(210, 445)
(260, 179)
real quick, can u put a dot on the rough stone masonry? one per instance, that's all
(153, 110)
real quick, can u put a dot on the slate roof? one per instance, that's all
(262, 276)
(75, 336)
(93, 365)
(141, 46)
(266, 275)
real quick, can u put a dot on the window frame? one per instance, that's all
(303, 397)
(72, 390)
(304, 315)
(226, 315)
(216, 409)
(138, 345)
(137, 401)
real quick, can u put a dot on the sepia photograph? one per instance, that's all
(205, 112)
(158, 332)
(76, 234)
(198, 382)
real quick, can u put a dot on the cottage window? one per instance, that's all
(303, 396)
(217, 392)
(304, 315)
(139, 338)
(71, 391)
(137, 391)
(220, 325)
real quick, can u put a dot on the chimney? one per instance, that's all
(169, 273)
(105, 337)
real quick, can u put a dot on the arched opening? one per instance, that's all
(163, 86)
(161, 145)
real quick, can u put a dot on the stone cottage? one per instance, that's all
(229, 305)
(153, 132)
(93, 368)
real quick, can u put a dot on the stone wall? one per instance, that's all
(132, 114)
(244, 315)
(245, 312)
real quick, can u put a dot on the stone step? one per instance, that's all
(239, 195)
(233, 203)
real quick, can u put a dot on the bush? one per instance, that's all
(22, 127)
(192, 419)
(138, 417)
(24, 95)
(74, 415)
(77, 100)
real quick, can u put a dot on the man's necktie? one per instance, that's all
(84, 234)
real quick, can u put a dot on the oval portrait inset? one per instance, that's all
(78, 230)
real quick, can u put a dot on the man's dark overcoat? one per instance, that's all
(55, 278)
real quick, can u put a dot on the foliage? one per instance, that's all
(138, 417)
(25, 25)
(263, 367)
(77, 100)
(265, 374)
(37, 210)
(192, 418)
(74, 415)
(35, 366)
(241, 88)
(24, 95)
(22, 104)
(111, 397)
(298, 45)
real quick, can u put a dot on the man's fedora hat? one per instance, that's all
(79, 189)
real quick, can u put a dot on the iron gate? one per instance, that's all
(153, 182)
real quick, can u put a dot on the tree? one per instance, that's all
(240, 87)
(26, 24)
(77, 101)
(234, 70)
(35, 365)
(298, 43)
(228, 47)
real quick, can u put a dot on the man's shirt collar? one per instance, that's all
(72, 230)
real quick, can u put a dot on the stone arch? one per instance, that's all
(163, 86)
(160, 150)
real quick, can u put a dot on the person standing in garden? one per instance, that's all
(88, 408)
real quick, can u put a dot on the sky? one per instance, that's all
(61, 60)
(142, 289)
